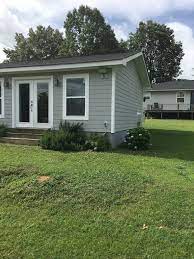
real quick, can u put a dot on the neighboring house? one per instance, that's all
(104, 92)
(177, 95)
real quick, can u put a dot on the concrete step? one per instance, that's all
(19, 141)
(27, 135)
(27, 130)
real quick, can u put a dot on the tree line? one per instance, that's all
(87, 33)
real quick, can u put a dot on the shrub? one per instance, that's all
(3, 130)
(97, 142)
(74, 132)
(46, 141)
(138, 139)
(69, 137)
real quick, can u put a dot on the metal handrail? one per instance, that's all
(176, 107)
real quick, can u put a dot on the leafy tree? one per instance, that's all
(162, 53)
(43, 43)
(88, 33)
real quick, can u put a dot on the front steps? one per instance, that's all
(23, 136)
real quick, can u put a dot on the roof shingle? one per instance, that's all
(70, 60)
(174, 85)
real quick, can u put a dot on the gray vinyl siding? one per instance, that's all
(100, 90)
(128, 98)
(7, 107)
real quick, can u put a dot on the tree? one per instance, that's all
(43, 43)
(88, 33)
(162, 53)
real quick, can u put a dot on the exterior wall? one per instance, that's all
(7, 107)
(100, 90)
(168, 100)
(128, 98)
(117, 138)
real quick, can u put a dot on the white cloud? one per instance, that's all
(121, 31)
(184, 34)
(19, 15)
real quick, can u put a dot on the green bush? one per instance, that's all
(69, 137)
(46, 141)
(138, 139)
(97, 142)
(74, 132)
(3, 130)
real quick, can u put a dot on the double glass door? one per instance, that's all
(32, 103)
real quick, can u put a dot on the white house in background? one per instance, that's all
(177, 95)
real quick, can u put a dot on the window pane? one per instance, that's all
(42, 99)
(76, 106)
(180, 100)
(24, 102)
(76, 87)
(180, 94)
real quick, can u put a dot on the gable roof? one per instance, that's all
(71, 60)
(80, 62)
(173, 85)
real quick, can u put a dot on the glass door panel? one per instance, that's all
(42, 102)
(33, 103)
(24, 102)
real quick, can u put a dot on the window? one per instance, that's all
(76, 97)
(180, 98)
(1, 99)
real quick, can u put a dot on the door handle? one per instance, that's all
(31, 106)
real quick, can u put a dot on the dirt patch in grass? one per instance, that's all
(43, 178)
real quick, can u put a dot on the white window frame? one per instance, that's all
(70, 117)
(180, 97)
(2, 98)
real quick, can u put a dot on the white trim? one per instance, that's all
(32, 80)
(71, 66)
(36, 124)
(168, 90)
(18, 123)
(13, 102)
(2, 98)
(113, 102)
(86, 116)
(51, 102)
(126, 60)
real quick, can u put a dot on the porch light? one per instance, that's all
(56, 81)
(7, 82)
(103, 72)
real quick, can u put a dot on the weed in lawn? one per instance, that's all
(100, 205)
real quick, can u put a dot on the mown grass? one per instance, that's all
(100, 205)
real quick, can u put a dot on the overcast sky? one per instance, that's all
(124, 16)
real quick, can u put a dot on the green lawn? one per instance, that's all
(100, 205)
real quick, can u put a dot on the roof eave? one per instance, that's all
(142, 69)
(69, 66)
(168, 90)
